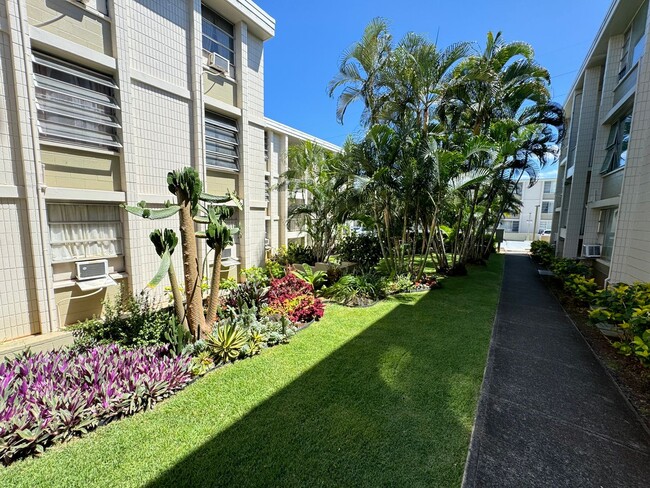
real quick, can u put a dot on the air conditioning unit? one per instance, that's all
(591, 251)
(219, 63)
(91, 270)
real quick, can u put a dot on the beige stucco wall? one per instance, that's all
(219, 88)
(71, 22)
(70, 168)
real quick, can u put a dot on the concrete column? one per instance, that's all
(33, 204)
(588, 116)
(283, 165)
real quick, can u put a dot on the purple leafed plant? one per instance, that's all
(52, 396)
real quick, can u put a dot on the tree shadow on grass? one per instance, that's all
(392, 407)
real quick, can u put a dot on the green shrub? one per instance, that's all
(582, 288)
(130, 321)
(274, 270)
(294, 254)
(564, 267)
(356, 290)
(256, 275)
(400, 284)
(363, 249)
(628, 308)
(315, 278)
(228, 284)
(542, 253)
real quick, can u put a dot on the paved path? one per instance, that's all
(549, 414)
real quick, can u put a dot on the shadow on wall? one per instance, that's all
(393, 406)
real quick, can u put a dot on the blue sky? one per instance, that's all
(310, 37)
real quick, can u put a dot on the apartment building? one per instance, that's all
(602, 206)
(99, 99)
(536, 212)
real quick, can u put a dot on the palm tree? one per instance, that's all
(361, 70)
(316, 175)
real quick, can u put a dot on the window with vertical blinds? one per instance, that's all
(221, 142)
(75, 105)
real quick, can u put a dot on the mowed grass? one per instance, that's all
(378, 396)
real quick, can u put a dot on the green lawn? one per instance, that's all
(384, 395)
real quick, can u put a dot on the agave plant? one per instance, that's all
(227, 340)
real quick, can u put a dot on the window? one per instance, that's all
(619, 136)
(75, 105)
(218, 35)
(519, 189)
(221, 142)
(84, 231)
(515, 226)
(634, 42)
(547, 206)
(549, 187)
(608, 220)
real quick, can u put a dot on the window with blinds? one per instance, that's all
(84, 231)
(75, 105)
(218, 34)
(221, 142)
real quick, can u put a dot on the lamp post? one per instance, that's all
(535, 226)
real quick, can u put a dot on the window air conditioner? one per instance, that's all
(591, 251)
(219, 63)
(90, 270)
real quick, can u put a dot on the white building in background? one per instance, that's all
(536, 213)
(99, 99)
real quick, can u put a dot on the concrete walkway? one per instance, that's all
(549, 414)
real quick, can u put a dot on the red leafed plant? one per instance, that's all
(294, 298)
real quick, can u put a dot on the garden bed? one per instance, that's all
(632, 378)
(354, 391)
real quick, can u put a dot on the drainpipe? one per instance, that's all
(40, 187)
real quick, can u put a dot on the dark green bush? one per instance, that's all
(543, 253)
(356, 290)
(628, 308)
(363, 249)
(131, 321)
(294, 254)
(564, 267)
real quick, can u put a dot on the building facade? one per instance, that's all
(536, 213)
(99, 100)
(602, 206)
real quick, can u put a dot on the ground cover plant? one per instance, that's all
(294, 298)
(378, 396)
(54, 396)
